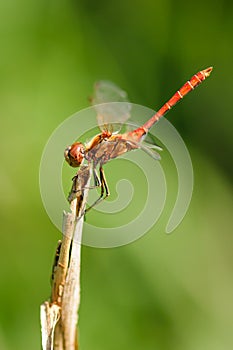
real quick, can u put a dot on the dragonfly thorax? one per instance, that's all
(74, 154)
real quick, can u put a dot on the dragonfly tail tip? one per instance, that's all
(207, 71)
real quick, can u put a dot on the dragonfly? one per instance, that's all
(109, 144)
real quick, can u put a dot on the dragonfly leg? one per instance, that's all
(103, 179)
(97, 182)
(104, 189)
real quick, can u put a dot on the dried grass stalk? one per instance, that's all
(59, 316)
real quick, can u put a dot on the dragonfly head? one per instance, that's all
(74, 154)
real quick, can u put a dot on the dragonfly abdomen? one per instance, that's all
(190, 85)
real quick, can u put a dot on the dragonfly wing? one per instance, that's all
(111, 104)
(151, 146)
(149, 149)
(151, 141)
(106, 91)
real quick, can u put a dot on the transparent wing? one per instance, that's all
(151, 142)
(111, 104)
(147, 148)
(150, 151)
(106, 91)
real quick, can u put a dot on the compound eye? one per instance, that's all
(67, 153)
(74, 154)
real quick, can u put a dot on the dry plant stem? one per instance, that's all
(71, 296)
(59, 317)
(49, 315)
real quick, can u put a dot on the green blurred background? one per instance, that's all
(165, 292)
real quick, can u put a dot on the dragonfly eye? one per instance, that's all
(74, 154)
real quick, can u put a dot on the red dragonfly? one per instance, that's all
(108, 145)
